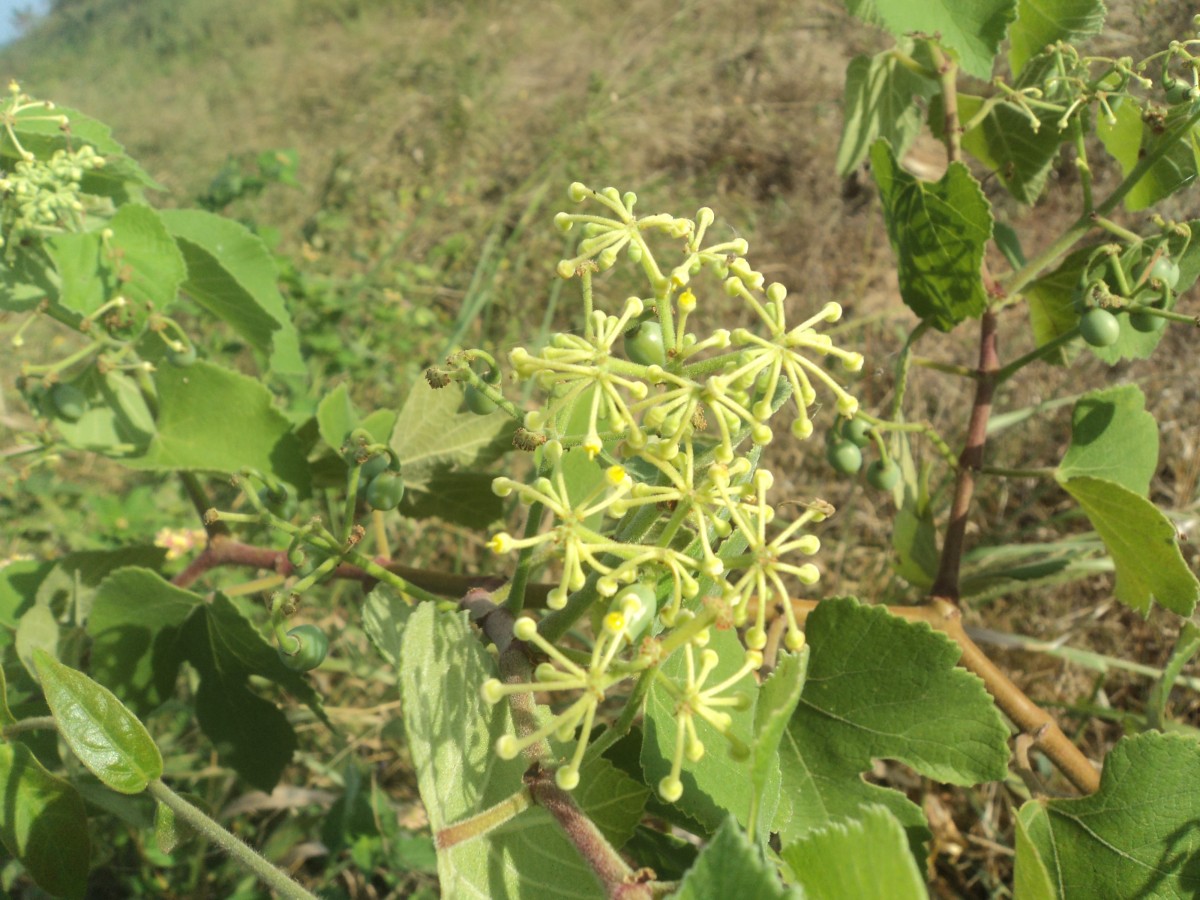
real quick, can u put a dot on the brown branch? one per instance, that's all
(1013, 702)
(970, 461)
(225, 551)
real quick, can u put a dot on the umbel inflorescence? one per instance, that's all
(677, 531)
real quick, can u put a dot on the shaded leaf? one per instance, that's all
(43, 823)
(880, 101)
(938, 231)
(1143, 545)
(1043, 22)
(1128, 140)
(732, 866)
(101, 732)
(1113, 438)
(777, 699)
(717, 785)
(134, 626)
(1138, 836)
(464, 498)
(251, 734)
(451, 732)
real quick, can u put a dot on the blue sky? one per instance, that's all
(7, 8)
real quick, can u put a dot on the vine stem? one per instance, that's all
(238, 849)
(970, 461)
(1025, 714)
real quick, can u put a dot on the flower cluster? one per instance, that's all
(41, 196)
(677, 418)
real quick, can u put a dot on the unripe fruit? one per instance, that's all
(385, 491)
(69, 401)
(644, 344)
(477, 401)
(313, 648)
(856, 431)
(883, 474)
(844, 456)
(182, 358)
(1099, 327)
(374, 466)
(1165, 270)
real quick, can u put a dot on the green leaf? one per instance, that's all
(43, 823)
(938, 232)
(777, 699)
(81, 272)
(384, 616)
(231, 274)
(250, 733)
(451, 732)
(336, 416)
(212, 419)
(717, 784)
(463, 498)
(134, 625)
(1113, 438)
(880, 102)
(611, 799)
(880, 687)
(431, 434)
(1008, 144)
(19, 581)
(914, 538)
(6, 716)
(147, 265)
(1142, 543)
(101, 732)
(25, 280)
(731, 866)
(1186, 647)
(866, 858)
(1043, 22)
(1136, 836)
(973, 31)
(117, 421)
(1128, 140)
(1031, 880)
(1052, 307)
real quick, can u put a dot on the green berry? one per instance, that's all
(883, 474)
(182, 358)
(844, 456)
(1099, 327)
(856, 431)
(1147, 323)
(374, 466)
(477, 401)
(312, 648)
(69, 401)
(1165, 270)
(644, 344)
(385, 491)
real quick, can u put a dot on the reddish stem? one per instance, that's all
(969, 463)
